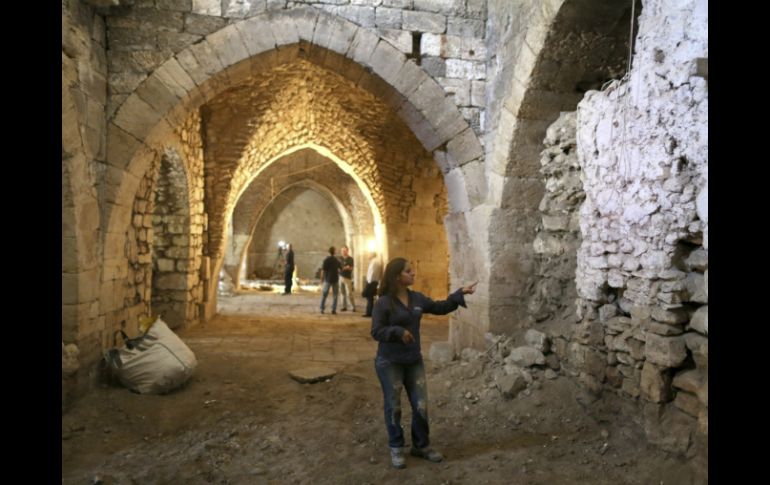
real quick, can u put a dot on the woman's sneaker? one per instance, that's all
(397, 458)
(428, 453)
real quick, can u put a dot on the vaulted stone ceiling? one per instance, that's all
(298, 104)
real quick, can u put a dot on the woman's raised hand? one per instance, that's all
(470, 288)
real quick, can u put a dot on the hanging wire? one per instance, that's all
(631, 36)
(625, 164)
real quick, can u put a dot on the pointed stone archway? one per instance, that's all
(305, 168)
(197, 74)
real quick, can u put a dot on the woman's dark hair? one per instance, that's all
(392, 272)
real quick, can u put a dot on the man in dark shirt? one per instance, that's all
(330, 275)
(346, 279)
(288, 271)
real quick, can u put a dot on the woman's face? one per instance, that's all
(406, 277)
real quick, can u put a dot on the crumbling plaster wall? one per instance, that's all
(642, 267)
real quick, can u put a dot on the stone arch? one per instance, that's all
(292, 190)
(303, 167)
(171, 248)
(200, 72)
(564, 52)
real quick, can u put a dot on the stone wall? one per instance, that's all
(189, 143)
(421, 238)
(169, 81)
(558, 237)
(642, 267)
(84, 96)
(447, 37)
(541, 57)
(170, 241)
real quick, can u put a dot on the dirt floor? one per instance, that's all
(242, 420)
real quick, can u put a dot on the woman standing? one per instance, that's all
(396, 326)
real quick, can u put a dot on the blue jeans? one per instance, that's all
(336, 290)
(393, 378)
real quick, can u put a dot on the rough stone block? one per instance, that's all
(688, 403)
(696, 288)
(667, 427)
(206, 55)
(665, 351)
(387, 61)
(264, 33)
(526, 357)
(700, 320)
(689, 380)
(423, 22)
(662, 328)
(410, 78)
(476, 8)
(362, 16)
(698, 260)
(426, 96)
(136, 117)
(475, 181)
(465, 147)
(537, 340)
(173, 281)
(123, 39)
(190, 64)
(465, 27)
(446, 120)
(398, 3)
(447, 7)
(388, 18)
(399, 39)
(305, 20)
(341, 35)
(670, 316)
(156, 94)
(459, 89)
(595, 364)
(462, 69)
(243, 8)
(202, 24)
(699, 346)
(228, 46)
(207, 7)
(175, 78)
(656, 383)
(458, 197)
(511, 384)
(363, 46)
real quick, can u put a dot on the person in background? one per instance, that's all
(373, 275)
(330, 275)
(288, 271)
(346, 279)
